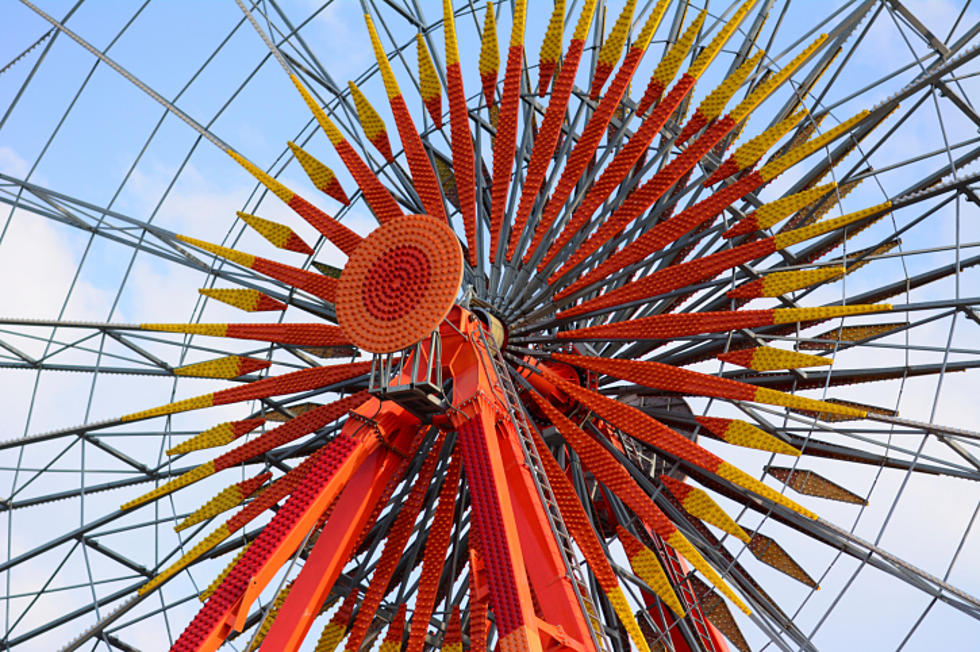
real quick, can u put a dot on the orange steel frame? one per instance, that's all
(517, 568)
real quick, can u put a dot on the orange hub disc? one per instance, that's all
(399, 284)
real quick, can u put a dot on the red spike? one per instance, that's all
(697, 122)
(378, 198)
(296, 381)
(656, 327)
(725, 170)
(543, 150)
(300, 334)
(645, 196)
(423, 176)
(463, 157)
(293, 429)
(621, 165)
(505, 143)
(585, 148)
(342, 237)
(318, 285)
(676, 277)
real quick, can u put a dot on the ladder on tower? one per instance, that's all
(518, 418)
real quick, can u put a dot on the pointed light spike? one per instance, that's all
(378, 198)
(292, 333)
(505, 142)
(423, 176)
(278, 234)
(710, 51)
(247, 299)
(796, 154)
(772, 554)
(612, 48)
(336, 628)
(181, 481)
(698, 503)
(766, 88)
(543, 149)
(320, 286)
(371, 123)
(813, 484)
(647, 567)
(551, 48)
(464, 165)
(790, 315)
(219, 435)
(852, 334)
(216, 582)
(767, 358)
(229, 366)
(788, 238)
(230, 497)
(714, 609)
(742, 433)
(644, 427)
(749, 153)
(815, 211)
(320, 175)
(429, 85)
(489, 56)
(775, 211)
(714, 103)
(206, 544)
(780, 283)
(345, 239)
(667, 69)
(396, 632)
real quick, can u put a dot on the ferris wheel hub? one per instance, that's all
(399, 283)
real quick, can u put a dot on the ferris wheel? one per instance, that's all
(574, 325)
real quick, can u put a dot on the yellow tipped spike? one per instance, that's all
(224, 500)
(551, 46)
(489, 50)
(517, 29)
(179, 482)
(387, 74)
(667, 69)
(279, 190)
(196, 403)
(218, 435)
(790, 315)
(774, 397)
(680, 543)
(752, 150)
(797, 154)
(320, 175)
(713, 105)
(612, 49)
(698, 503)
(585, 20)
(779, 283)
(278, 234)
(739, 477)
(239, 257)
(371, 122)
(743, 433)
(216, 582)
(709, 53)
(325, 123)
(767, 358)
(207, 544)
(766, 88)
(449, 29)
(244, 299)
(428, 79)
(215, 330)
(650, 26)
(647, 567)
(625, 614)
(775, 211)
(783, 240)
(229, 366)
